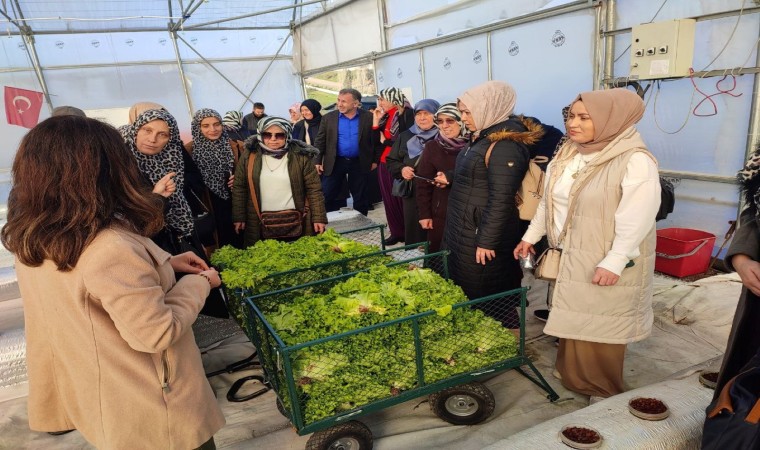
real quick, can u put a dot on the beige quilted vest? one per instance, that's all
(616, 314)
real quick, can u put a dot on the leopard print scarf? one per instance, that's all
(179, 217)
(214, 158)
(750, 181)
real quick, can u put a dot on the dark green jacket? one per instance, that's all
(304, 182)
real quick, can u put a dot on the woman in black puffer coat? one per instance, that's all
(482, 223)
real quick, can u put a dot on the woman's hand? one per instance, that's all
(604, 277)
(440, 180)
(522, 249)
(407, 172)
(231, 181)
(426, 224)
(213, 277)
(377, 114)
(165, 186)
(239, 226)
(482, 255)
(749, 271)
(319, 228)
(188, 262)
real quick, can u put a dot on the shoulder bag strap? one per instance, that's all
(251, 160)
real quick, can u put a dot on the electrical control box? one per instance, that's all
(662, 49)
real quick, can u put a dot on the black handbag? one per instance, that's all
(402, 188)
(204, 223)
(667, 199)
(732, 418)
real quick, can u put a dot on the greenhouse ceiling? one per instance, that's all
(94, 16)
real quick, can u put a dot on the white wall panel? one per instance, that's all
(401, 71)
(81, 49)
(350, 32)
(634, 12)
(547, 62)
(13, 52)
(414, 21)
(234, 43)
(452, 67)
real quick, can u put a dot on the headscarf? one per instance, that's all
(268, 121)
(489, 103)
(154, 167)
(393, 95)
(315, 107)
(141, 107)
(213, 158)
(612, 111)
(415, 145)
(232, 120)
(456, 144)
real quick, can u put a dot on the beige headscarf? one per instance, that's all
(612, 111)
(141, 107)
(489, 103)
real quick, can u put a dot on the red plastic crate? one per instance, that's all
(682, 251)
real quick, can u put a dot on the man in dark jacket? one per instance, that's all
(251, 121)
(347, 148)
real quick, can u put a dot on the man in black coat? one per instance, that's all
(348, 147)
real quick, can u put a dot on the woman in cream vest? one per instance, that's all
(603, 194)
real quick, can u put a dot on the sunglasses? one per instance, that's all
(267, 135)
(445, 121)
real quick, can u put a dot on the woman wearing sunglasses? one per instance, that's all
(283, 177)
(440, 156)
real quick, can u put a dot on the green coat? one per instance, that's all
(304, 182)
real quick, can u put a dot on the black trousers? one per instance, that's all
(357, 185)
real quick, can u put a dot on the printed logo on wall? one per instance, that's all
(446, 63)
(59, 44)
(129, 42)
(399, 73)
(477, 57)
(21, 46)
(194, 40)
(95, 43)
(223, 39)
(514, 49)
(162, 41)
(380, 77)
(252, 39)
(558, 38)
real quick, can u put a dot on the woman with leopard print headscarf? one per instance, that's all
(153, 139)
(212, 153)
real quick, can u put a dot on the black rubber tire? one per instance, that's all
(281, 408)
(351, 435)
(466, 404)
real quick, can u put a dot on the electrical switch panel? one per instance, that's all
(662, 49)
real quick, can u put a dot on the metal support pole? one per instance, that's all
(28, 35)
(186, 15)
(257, 13)
(189, 101)
(271, 61)
(596, 84)
(383, 17)
(422, 73)
(609, 44)
(488, 56)
(210, 65)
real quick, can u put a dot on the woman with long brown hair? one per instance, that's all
(109, 347)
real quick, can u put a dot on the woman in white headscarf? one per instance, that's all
(482, 221)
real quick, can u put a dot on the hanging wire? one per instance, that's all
(654, 112)
(650, 21)
(736, 25)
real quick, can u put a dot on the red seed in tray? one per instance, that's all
(710, 376)
(649, 405)
(581, 435)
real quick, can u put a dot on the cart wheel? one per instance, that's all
(466, 404)
(281, 408)
(351, 435)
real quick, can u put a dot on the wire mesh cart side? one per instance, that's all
(322, 384)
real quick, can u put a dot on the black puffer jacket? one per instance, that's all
(482, 210)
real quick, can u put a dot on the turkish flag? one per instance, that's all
(22, 107)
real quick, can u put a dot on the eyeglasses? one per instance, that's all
(445, 121)
(267, 135)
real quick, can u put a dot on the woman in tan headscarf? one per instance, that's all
(603, 193)
(482, 221)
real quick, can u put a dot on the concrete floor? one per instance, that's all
(692, 321)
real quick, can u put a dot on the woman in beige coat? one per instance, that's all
(110, 349)
(603, 193)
